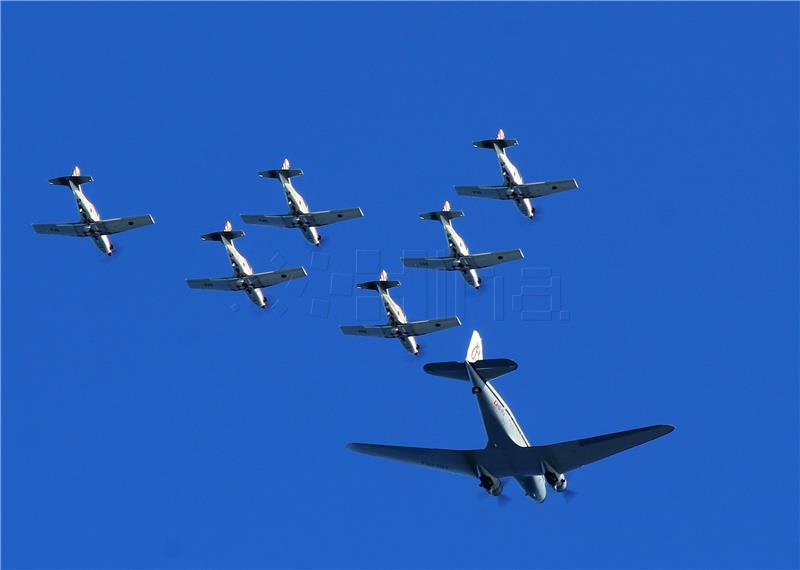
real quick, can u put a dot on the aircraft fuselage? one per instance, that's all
(512, 179)
(459, 249)
(297, 205)
(241, 267)
(396, 317)
(504, 432)
(89, 215)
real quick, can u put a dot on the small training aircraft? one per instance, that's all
(459, 259)
(508, 452)
(514, 188)
(398, 326)
(91, 225)
(243, 277)
(299, 215)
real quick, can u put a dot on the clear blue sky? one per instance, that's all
(148, 425)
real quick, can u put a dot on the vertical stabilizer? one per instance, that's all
(228, 226)
(76, 171)
(501, 135)
(475, 350)
(384, 276)
(446, 207)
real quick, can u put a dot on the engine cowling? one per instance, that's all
(492, 484)
(558, 481)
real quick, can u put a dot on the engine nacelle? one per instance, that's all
(492, 484)
(558, 481)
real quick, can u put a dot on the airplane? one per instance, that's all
(508, 453)
(243, 277)
(513, 186)
(460, 258)
(90, 225)
(398, 326)
(299, 215)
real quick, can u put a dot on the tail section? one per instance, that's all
(444, 214)
(229, 233)
(382, 284)
(500, 142)
(475, 350)
(285, 170)
(488, 369)
(76, 179)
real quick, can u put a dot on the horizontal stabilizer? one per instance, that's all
(217, 236)
(491, 143)
(65, 180)
(442, 214)
(488, 369)
(278, 220)
(277, 173)
(538, 189)
(377, 285)
(494, 192)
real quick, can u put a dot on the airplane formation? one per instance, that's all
(508, 453)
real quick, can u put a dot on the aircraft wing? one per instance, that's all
(496, 192)
(270, 278)
(570, 455)
(330, 216)
(418, 328)
(117, 225)
(446, 459)
(443, 263)
(77, 229)
(221, 284)
(480, 260)
(537, 189)
(379, 331)
(284, 221)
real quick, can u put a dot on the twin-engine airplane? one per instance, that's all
(299, 215)
(460, 259)
(508, 452)
(514, 188)
(398, 326)
(243, 277)
(91, 225)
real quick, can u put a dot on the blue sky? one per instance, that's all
(148, 425)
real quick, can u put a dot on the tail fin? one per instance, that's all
(382, 283)
(228, 233)
(475, 350)
(445, 213)
(76, 179)
(285, 170)
(501, 142)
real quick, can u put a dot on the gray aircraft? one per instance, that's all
(243, 277)
(299, 215)
(398, 326)
(90, 225)
(513, 187)
(508, 452)
(460, 258)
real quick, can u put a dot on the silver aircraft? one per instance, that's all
(513, 187)
(90, 224)
(508, 453)
(460, 258)
(398, 326)
(299, 215)
(243, 277)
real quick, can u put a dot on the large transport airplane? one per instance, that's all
(243, 277)
(398, 326)
(299, 215)
(508, 453)
(90, 224)
(460, 258)
(514, 188)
